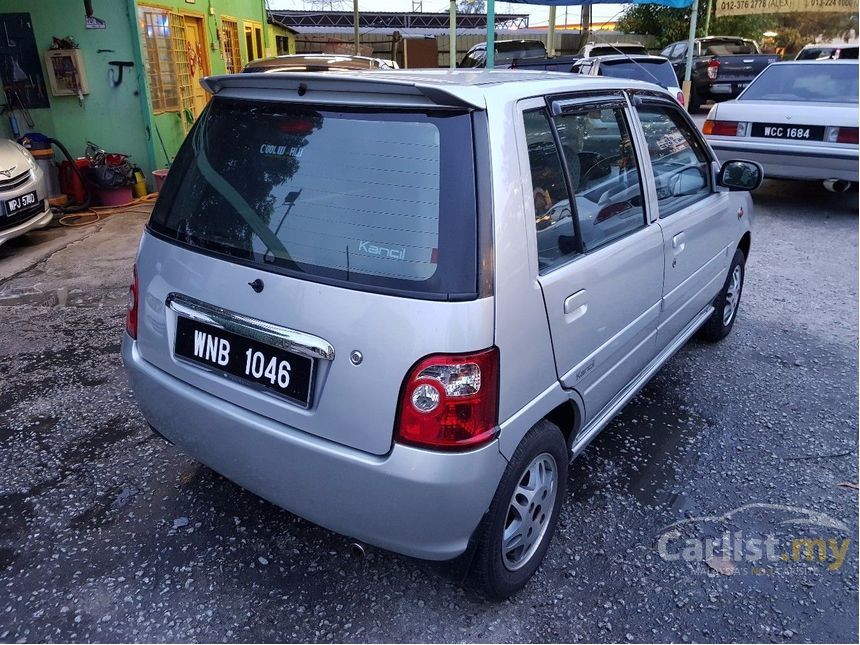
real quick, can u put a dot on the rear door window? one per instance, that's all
(354, 197)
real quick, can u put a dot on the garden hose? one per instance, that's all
(95, 214)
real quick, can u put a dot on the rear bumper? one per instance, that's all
(39, 220)
(786, 160)
(415, 502)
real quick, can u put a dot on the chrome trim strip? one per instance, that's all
(259, 330)
(624, 396)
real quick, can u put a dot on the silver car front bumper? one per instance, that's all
(415, 502)
(39, 220)
(790, 160)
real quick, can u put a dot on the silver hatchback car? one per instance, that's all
(398, 304)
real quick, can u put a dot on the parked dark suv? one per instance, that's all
(722, 66)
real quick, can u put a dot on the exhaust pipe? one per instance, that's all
(358, 550)
(836, 185)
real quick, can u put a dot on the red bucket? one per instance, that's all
(160, 176)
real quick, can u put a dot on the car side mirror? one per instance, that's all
(740, 175)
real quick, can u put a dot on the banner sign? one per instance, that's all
(747, 7)
(678, 4)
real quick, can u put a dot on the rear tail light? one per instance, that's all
(680, 98)
(450, 402)
(846, 135)
(713, 69)
(131, 308)
(724, 128)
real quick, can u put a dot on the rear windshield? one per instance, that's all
(380, 200)
(827, 53)
(728, 47)
(651, 71)
(819, 83)
(608, 50)
(506, 51)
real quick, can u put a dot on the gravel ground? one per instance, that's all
(109, 534)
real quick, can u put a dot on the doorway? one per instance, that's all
(197, 55)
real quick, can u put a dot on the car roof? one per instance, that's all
(843, 61)
(724, 38)
(633, 57)
(287, 60)
(498, 43)
(831, 45)
(474, 88)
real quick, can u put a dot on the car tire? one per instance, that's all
(536, 473)
(727, 302)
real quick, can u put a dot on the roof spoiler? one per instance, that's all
(340, 89)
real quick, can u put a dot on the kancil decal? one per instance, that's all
(392, 253)
(763, 536)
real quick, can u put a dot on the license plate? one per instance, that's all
(250, 361)
(783, 131)
(21, 201)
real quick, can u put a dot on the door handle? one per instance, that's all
(575, 306)
(679, 243)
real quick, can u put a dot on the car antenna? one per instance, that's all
(623, 53)
(635, 62)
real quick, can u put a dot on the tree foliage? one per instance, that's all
(471, 6)
(794, 29)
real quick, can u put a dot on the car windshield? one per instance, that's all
(651, 71)
(350, 196)
(728, 47)
(818, 83)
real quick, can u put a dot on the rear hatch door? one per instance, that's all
(338, 243)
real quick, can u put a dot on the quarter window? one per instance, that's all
(679, 162)
(556, 235)
(603, 173)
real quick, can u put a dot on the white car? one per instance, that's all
(828, 51)
(798, 119)
(23, 192)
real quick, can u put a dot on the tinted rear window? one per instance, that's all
(509, 51)
(659, 72)
(819, 82)
(727, 48)
(374, 199)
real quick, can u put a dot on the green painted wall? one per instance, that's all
(112, 117)
(120, 119)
